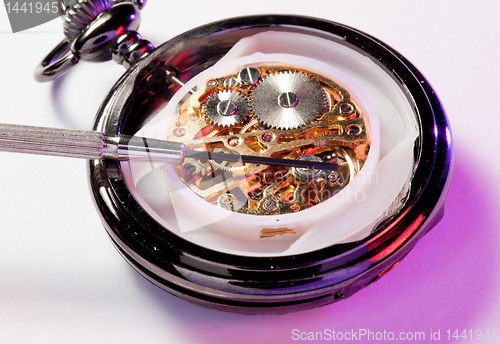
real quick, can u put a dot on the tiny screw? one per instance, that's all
(353, 129)
(249, 76)
(345, 108)
(227, 108)
(271, 205)
(229, 82)
(333, 177)
(287, 100)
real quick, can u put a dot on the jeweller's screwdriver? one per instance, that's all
(95, 145)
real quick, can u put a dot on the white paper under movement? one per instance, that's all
(348, 216)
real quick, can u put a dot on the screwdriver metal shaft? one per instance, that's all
(89, 144)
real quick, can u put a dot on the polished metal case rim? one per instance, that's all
(285, 283)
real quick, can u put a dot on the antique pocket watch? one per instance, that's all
(258, 238)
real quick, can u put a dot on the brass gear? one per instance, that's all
(225, 165)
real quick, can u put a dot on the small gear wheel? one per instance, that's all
(226, 165)
(288, 100)
(225, 108)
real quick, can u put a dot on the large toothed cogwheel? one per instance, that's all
(288, 100)
(225, 108)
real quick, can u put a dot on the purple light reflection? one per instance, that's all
(445, 282)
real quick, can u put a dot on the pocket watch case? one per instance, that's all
(255, 239)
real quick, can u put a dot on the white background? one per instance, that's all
(61, 281)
